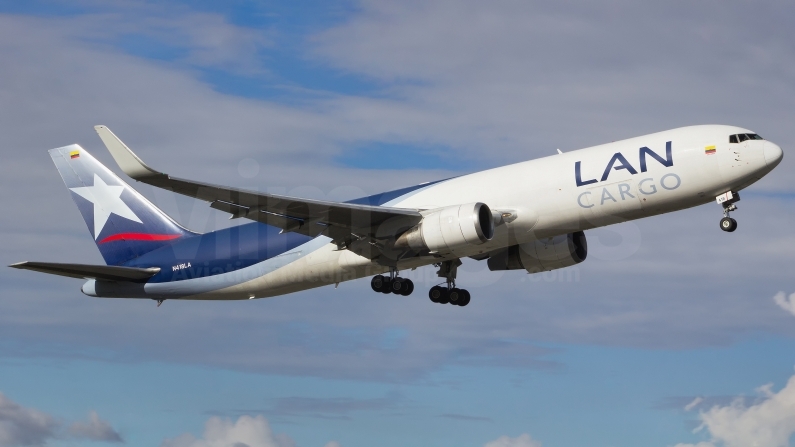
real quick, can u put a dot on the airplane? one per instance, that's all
(525, 216)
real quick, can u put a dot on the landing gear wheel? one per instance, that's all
(377, 283)
(397, 286)
(454, 295)
(435, 294)
(408, 287)
(445, 298)
(728, 224)
(464, 299)
(439, 294)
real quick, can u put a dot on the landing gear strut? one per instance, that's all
(450, 294)
(727, 201)
(392, 284)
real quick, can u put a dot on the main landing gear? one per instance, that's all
(441, 294)
(727, 201)
(392, 284)
(450, 294)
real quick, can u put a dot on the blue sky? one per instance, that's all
(343, 99)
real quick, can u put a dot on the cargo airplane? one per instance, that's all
(526, 216)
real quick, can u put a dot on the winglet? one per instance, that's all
(125, 158)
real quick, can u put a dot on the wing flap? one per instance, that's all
(88, 271)
(286, 223)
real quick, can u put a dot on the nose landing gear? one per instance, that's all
(727, 200)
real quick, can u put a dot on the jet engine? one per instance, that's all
(542, 254)
(446, 229)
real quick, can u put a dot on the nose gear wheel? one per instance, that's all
(728, 224)
(727, 200)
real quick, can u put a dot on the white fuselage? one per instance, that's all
(546, 197)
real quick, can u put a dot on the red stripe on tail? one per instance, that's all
(139, 237)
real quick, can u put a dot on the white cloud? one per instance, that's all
(784, 302)
(523, 440)
(21, 426)
(333, 444)
(768, 423)
(249, 431)
(694, 403)
(95, 429)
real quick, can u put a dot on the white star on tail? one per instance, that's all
(107, 201)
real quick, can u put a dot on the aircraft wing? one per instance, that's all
(87, 271)
(341, 221)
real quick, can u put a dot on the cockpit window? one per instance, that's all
(740, 137)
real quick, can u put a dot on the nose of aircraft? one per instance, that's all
(773, 154)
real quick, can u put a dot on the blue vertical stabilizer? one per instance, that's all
(124, 224)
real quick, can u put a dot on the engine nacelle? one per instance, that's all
(446, 229)
(543, 254)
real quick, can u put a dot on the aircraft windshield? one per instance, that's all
(740, 137)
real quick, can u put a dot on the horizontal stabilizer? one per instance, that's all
(87, 271)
